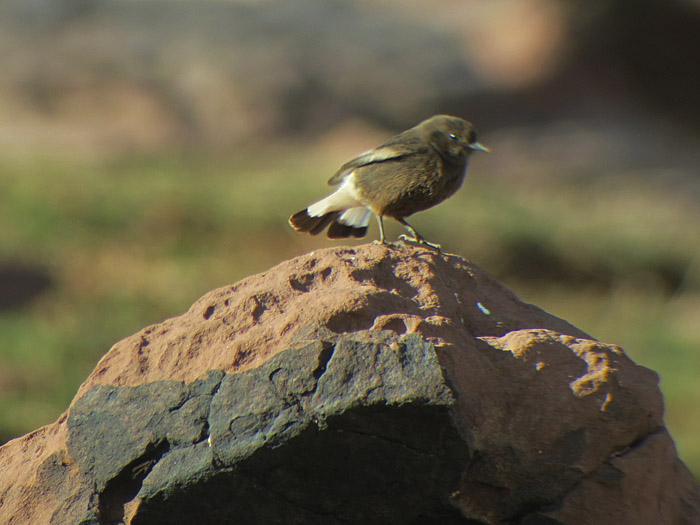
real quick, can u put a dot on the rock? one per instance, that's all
(357, 385)
(301, 420)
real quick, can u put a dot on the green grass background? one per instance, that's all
(130, 241)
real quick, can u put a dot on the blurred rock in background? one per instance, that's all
(157, 74)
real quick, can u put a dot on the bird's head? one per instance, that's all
(451, 137)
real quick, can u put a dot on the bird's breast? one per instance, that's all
(403, 188)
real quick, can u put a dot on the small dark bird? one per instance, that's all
(411, 172)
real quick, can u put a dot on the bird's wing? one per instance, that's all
(394, 149)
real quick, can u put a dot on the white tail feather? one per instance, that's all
(357, 217)
(344, 198)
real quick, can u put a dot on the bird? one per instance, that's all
(410, 172)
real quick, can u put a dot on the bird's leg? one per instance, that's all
(417, 237)
(380, 221)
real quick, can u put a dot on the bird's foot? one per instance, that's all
(419, 240)
(383, 243)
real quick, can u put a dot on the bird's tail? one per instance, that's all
(301, 221)
(352, 222)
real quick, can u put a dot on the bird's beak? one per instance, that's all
(480, 147)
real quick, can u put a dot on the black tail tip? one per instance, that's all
(301, 221)
(343, 231)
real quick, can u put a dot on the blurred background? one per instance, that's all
(151, 151)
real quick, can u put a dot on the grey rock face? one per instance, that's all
(351, 432)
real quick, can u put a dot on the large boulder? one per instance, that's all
(371, 384)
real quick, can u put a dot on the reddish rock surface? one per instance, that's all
(559, 426)
(320, 296)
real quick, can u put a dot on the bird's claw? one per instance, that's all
(419, 240)
(383, 243)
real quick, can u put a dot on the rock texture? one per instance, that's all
(357, 385)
